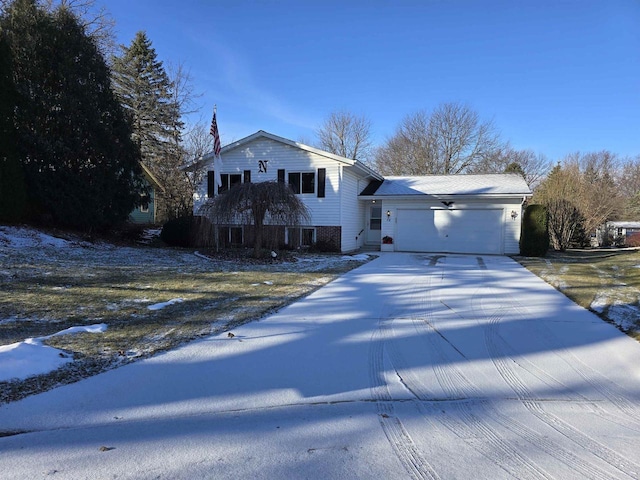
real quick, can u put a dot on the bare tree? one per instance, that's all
(628, 181)
(346, 134)
(580, 195)
(557, 193)
(535, 167)
(459, 138)
(629, 177)
(97, 21)
(179, 184)
(197, 142)
(408, 151)
(450, 140)
(257, 204)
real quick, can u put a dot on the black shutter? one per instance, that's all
(294, 181)
(322, 180)
(247, 176)
(281, 175)
(211, 184)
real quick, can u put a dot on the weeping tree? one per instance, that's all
(258, 204)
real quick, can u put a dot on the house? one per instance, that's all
(616, 233)
(146, 211)
(354, 207)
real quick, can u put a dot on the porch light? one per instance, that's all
(388, 215)
(514, 214)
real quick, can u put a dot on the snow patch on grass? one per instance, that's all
(599, 303)
(624, 315)
(32, 357)
(160, 306)
(17, 237)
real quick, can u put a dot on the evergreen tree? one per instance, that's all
(147, 94)
(13, 192)
(534, 241)
(514, 167)
(81, 167)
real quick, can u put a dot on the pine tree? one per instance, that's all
(147, 94)
(74, 142)
(13, 193)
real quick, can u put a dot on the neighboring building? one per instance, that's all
(146, 212)
(615, 233)
(353, 207)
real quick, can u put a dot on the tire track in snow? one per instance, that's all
(607, 388)
(503, 362)
(465, 424)
(462, 388)
(403, 445)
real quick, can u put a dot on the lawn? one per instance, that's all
(605, 281)
(151, 299)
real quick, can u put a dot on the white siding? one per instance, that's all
(352, 213)
(324, 211)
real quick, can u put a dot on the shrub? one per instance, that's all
(324, 246)
(188, 231)
(534, 239)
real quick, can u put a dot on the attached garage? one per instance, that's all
(468, 214)
(449, 231)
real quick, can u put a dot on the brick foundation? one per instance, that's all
(274, 237)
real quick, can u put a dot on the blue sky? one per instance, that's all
(555, 76)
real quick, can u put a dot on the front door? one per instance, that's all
(375, 224)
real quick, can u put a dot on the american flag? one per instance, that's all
(216, 136)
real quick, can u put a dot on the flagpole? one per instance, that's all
(217, 166)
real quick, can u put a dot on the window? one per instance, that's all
(302, 182)
(145, 200)
(230, 236)
(235, 235)
(229, 180)
(300, 237)
(375, 221)
(307, 237)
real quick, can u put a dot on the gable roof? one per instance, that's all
(357, 165)
(491, 184)
(151, 178)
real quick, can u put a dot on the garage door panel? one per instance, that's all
(414, 230)
(454, 231)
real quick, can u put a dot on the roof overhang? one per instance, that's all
(151, 178)
(448, 197)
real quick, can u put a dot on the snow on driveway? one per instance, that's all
(411, 366)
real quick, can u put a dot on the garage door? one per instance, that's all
(453, 231)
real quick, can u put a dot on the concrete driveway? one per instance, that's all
(412, 366)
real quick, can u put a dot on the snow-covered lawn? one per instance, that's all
(607, 282)
(411, 366)
(149, 299)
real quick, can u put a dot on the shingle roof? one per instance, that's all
(626, 224)
(494, 184)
